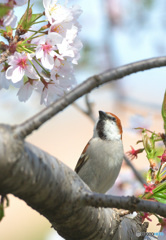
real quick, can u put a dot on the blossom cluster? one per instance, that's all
(39, 57)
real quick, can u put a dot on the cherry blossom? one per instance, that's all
(71, 34)
(76, 11)
(50, 92)
(62, 81)
(70, 50)
(76, 46)
(41, 58)
(61, 29)
(56, 12)
(63, 74)
(149, 188)
(134, 153)
(26, 90)
(46, 49)
(19, 67)
(145, 216)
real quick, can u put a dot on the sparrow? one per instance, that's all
(101, 159)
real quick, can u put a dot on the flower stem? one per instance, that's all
(27, 12)
(35, 68)
(47, 72)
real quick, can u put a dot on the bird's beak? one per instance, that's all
(102, 115)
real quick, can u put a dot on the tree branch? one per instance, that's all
(35, 122)
(54, 190)
(58, 193)
(129, 203)
(137, 174)
(89, 111)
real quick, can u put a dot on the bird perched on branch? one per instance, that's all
(101, 159)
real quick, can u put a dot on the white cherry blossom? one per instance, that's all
(26, 90)
(62, 81)
(19, 66)
(49, 92)
(46, 49)
(63, 73)
(56, 12)
(49, 53)
(70, 50)
(61, 28)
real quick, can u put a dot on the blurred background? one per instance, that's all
(114, 33)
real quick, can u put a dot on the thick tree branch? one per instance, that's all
(58, 193)
(54, 190)
(51, 188)
(35, 122)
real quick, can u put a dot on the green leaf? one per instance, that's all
(163, 191)
(160, 188)
(25, 19)
(149, 144)
(163, 111)
(4, 10)
(35, 17)
(162, 200)
(159, 195)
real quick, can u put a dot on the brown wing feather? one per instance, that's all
(83, 158)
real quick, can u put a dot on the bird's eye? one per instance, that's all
(112, 118)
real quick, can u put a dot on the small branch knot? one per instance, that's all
(133, 202)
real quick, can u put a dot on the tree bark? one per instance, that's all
(54, 190)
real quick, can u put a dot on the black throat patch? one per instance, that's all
(100, 129)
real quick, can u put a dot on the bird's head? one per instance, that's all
(108, 127)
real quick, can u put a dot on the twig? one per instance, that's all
(137, 174)
(90, 108)
(129, 203)
(36, 121)
(89, 111)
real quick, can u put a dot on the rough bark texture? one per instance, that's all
(53, 189)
